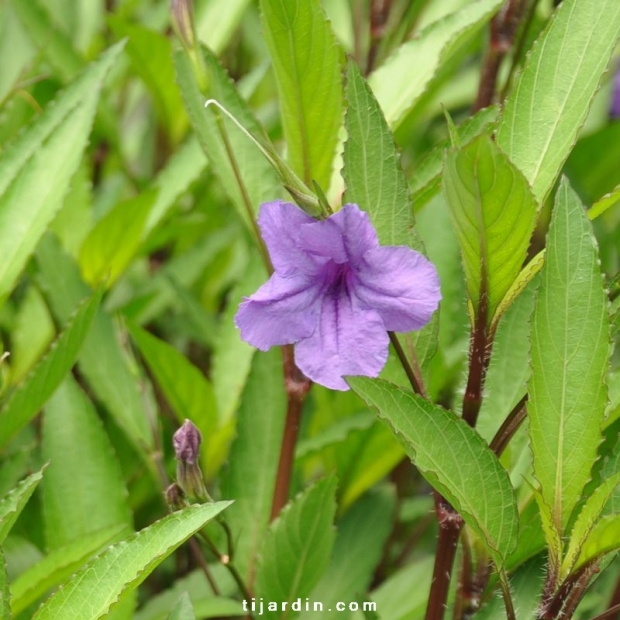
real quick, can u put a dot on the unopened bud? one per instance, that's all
(175, 498)
(186, 442)
(183, 22)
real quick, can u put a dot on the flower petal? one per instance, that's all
(280, 223)
(348, 341)
(282, 311)
(358, 233)
(400, 284)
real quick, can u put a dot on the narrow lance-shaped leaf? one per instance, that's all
(307, 63)
(569, 355)
(183, 610)
(28, 398)
(254, 458)
(36, 170)
(297, 548)
(57, 566)
(494, 214)
(453, 458)
(83, 489)
(403, 78)
(602, 539)
(123, 567)
(552, 95)
(13, 503)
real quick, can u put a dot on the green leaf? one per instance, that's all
(494, 214)
(586, 521)
(183, 610)
(5, 593)
(426, 179)
(35, 171)
(113, 241)
(307, 62)
(569, 354)
(28, 398)
(106, 364)
(453, 458)
(58, 566)
(372, 171)
(188, 391)
(603, 204)
(297, 548)
(602, 539)
(226, 14)
(56, 46)
(400, 82)
(362, 534)
(13, 503)
(232, 357)
(150, 53)
(550, 100)
(249, 180)
(254, 458)
(205, 604)
(84, 491)
(123, 567)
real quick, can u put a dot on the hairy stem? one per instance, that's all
(297, 387)
(503, 28)
(613, 613)
(450, 525)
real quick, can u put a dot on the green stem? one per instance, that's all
(413, 372)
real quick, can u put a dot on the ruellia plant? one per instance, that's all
(308, 309)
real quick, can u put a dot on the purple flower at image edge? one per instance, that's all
(335, 293)
(614, 108)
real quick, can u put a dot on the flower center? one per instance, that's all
(337, 277)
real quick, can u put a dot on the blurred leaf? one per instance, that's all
(217, 22)
(362, 534)
(372, 170)
(602, 539)
(58, 566)
(113, 241)
(307, 62)
(183, 610)
(56, 46)
(606, 202)
(83, 491)
(13, 503)
(552, 95)
(250, 179)
(567, 394)
(250, 477)
(122, 567)
(205, 603)
(103, 360)
(188, 391)
(478, 487)
(16, 52)
(232, 357)
(297, 547)
(33, 332)
(494, 214)
(35, 171)
(426, 179)
(587, 519)
(151, 58)
(396, 87)
(5, 593)
(28, 398)
(395, 597)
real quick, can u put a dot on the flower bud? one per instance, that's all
(186, 442)
(182, 21)
(614, 108)
(175, 498)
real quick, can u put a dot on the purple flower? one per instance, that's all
(335, 293)
(614, 109)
